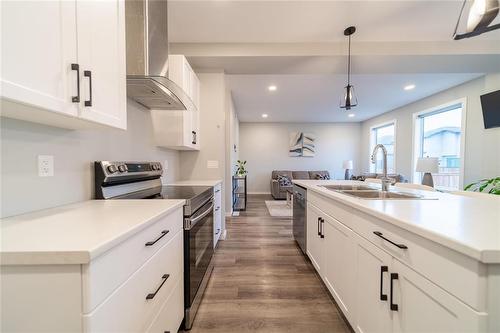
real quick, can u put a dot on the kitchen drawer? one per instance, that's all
(445, 267)
(170, 317)
(128, 310)
(108, 271)
(218, 194)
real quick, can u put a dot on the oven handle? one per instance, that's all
(192, 222)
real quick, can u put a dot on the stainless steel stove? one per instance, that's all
(142, 180)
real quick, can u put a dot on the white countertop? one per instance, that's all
(196, 182)
(468, 225)
(76, 233)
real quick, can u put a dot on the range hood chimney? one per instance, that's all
(147, 57)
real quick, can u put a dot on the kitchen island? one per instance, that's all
(429, 264)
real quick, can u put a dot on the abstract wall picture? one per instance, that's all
(301, 144)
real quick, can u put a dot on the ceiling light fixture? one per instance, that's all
(481, 14)
(351, 115)
(264, 115)
(272, 88)
(349, 99)
(409, 87)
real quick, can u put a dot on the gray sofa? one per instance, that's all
(279, 192)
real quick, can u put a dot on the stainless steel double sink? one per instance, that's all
(372, 193)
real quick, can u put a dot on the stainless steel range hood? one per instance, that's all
(147, 57)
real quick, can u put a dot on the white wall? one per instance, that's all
(232, 141)
(265, 147)
(482, 146)
(74, 152)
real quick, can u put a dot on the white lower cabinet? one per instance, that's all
(217, 213)
(136, 286)
(315, 243)
(375, 290)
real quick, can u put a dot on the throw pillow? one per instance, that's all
(284, 180)
(322, 177)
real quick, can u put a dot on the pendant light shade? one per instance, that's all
(348, 99)
(481, 15)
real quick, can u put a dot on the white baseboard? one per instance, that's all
(259, 193)
(223, 235)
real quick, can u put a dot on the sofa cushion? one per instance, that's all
(300, 175)
(276, 173)
(319, 175)
(284, 180)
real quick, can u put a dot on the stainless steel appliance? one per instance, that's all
(300, 216)
(141, 180)
(147, 57)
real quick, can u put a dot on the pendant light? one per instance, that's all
(481, 14)
(349, 100)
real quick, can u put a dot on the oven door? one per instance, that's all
(198, 249)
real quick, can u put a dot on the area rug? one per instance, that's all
(279, 208)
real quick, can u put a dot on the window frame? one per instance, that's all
(416, 127)
(373, 137)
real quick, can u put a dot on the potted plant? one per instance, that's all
(240, 165)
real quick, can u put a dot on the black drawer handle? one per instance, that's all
(217, 191)
(218, 230)
(216, 209)
(165, 278)
(322, 235)
(76, 67)
(319, 221)
(394, 276)
(383, 269)
(89, 75)
(163, 233)
(381, 235)
(194, 137)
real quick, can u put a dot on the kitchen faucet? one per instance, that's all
(385, 180)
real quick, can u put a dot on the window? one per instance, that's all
(439, 133)
(383, 134)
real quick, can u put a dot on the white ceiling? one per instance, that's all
(315, 98)
(300, 47)
(312, 21)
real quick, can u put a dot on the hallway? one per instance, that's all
(263, 283)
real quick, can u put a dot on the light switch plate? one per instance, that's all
(45, 165)
(212, 164)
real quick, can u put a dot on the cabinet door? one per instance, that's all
(372, 288)
(195, 127)
(422, 306)
(101, 51)
(340, 264)
(315, 244)
(195, 84)
(38, 41)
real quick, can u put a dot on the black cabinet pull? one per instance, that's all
(89, 75)
(381, 235)
(394, 276)
(383, 269)
(194, 137)
(163, 233)
(76, 67)
(165, 278)
(322, 235)
(218, 230)
(319, 221)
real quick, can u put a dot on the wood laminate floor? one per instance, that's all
(263, 283)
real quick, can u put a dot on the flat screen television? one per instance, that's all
(490, 104)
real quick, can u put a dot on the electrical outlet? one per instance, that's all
(45, 165)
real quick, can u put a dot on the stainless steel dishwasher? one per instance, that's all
(300, 216)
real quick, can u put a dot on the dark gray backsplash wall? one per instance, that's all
(74, 151)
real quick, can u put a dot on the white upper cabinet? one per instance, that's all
(101, 54)
(181, 73)
(38, 48)
(176, 129)
(53, 52)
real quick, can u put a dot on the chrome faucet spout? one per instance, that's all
(385, 180)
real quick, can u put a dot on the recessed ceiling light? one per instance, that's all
(350, 115)
(409, 87)
(272, 88)
(264, 115)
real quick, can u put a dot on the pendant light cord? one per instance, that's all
(349, 63)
